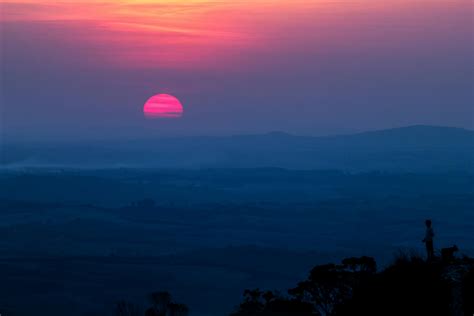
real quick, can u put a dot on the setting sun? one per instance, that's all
(163, 106)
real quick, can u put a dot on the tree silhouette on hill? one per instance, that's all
(410, 286)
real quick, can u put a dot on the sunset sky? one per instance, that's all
(83, 69)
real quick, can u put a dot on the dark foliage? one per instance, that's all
(468, 291)
(410, 286)
(259, 303)
(326, 287)
(162, 305)
(447, 254)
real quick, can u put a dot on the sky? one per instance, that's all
(83, 69)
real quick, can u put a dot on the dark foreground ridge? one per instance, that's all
(409, 286)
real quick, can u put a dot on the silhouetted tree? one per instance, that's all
(410, 286)
(268, 296)
(325, 288)
(252, 304)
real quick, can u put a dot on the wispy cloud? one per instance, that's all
(217, 33)
(141, 33)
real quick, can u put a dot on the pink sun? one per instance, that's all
(163, 106)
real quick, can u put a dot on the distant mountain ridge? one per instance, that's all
(422, 134)
(407, 148)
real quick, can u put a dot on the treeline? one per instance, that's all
(410, 286)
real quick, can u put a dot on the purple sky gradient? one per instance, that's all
(84, 70)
